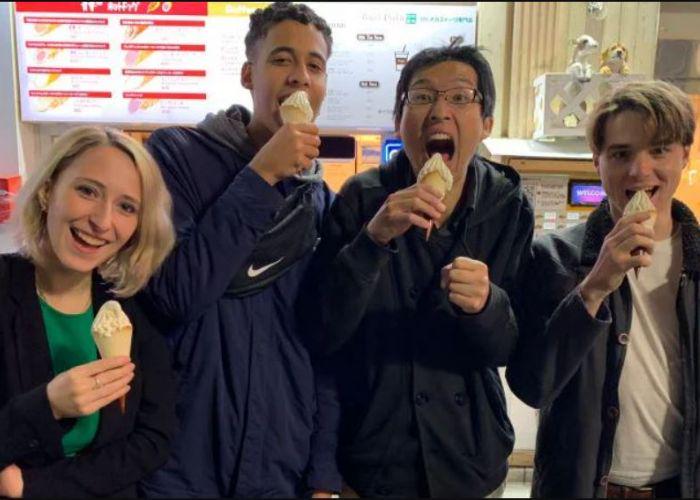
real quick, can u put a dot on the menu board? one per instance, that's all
(173, 62)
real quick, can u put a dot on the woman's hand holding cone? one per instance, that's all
(87, 388)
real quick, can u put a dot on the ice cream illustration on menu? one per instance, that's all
(136, 57)
(45, 104)
(134, 30)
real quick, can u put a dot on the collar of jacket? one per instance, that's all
(35, 367)
(600, 223)
(32, 343)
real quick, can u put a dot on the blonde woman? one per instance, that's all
(94, 224)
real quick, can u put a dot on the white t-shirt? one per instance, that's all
(649, 434)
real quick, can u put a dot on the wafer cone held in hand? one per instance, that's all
(641, 202)
(296, 108)
(436, 174)
(112, 333)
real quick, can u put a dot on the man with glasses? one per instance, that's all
(412, 331)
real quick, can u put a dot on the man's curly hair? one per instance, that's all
(263, 19)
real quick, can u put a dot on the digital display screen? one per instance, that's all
(174, 62)
(585, 193)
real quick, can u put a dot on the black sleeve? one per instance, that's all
(26, 421)
(27, 425)
(213, 240)
(556, 331)
(342, 276)
(489, 337)
(121, 463)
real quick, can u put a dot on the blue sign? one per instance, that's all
(390, 148)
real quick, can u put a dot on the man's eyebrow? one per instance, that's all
(618, 146)
(277, 50)
(291, 51)
(462, 79)
(420, 82)
(317, 55)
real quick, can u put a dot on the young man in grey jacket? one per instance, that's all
(608, 354)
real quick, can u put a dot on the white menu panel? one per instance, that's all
(173, 62)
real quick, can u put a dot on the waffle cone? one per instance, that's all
(641, 202)
(436, 174)
(435, 180)
(112, 332)
(293, 115)
(119, 344)
(296, 108)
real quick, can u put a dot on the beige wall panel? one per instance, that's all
(494, 35)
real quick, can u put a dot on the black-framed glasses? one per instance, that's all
(459, 96)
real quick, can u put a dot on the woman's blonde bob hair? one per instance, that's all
(132, 266)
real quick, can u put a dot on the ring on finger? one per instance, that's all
(97, 384)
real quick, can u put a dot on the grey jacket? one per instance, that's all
(568, 364)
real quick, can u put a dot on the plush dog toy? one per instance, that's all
(584, 46)
(614, 60)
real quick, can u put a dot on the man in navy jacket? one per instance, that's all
(248, 199)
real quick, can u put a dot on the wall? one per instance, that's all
(10, 155)
(527, 39)
(9, 159)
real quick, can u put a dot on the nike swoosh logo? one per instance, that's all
(252, 272)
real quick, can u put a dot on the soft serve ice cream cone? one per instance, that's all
(436, 174)
(641, 202)
(296, 108)
(112, 333)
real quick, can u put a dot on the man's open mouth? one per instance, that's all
(442, 144)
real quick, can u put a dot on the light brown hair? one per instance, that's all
(667, 112)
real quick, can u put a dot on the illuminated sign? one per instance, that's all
(585, 193)
(390, 148)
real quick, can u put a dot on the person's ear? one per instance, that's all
(488, 126)
(247, 75)
(686, 155)
(42, 196)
